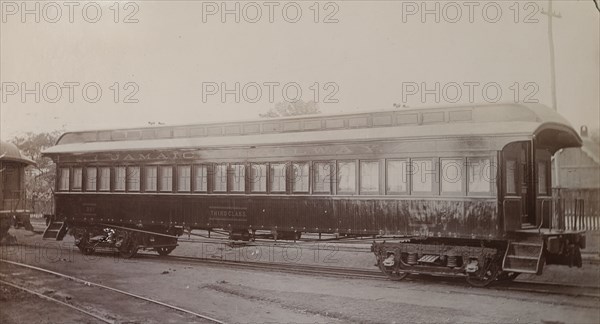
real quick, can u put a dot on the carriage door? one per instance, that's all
(517, 205)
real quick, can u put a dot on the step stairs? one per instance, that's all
(56, 230)
(524, 256)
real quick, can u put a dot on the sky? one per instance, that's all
(107, 64)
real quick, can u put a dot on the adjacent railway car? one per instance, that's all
(468, 189)
(13, 208)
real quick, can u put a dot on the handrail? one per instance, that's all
(542, 214)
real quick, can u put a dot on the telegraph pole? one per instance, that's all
(551, 14)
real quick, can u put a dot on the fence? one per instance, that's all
(577, 209)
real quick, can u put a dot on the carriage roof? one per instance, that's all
(10, 153)
(504, 123)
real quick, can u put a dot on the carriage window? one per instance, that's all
(120, 176)
(301, 176)
(151, 179)
(166, 178)
(104, 177)
(423, 173)
(511, 177)
(369, 177)
(542, 176)
(91, 176)
(278, 177)
(322, 177)
(220, 178)
(346, 173)
(133, 178)
(184, 178)
(258, 178)
(452, 175)
(479, 174)
(63, 181)
(238, 178)
(397, 176)
(77, 178)
(200, 178)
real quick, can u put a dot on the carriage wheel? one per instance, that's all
(84, 244)
(484, 277)
(164, 250)
(392, 272)
(129, 248)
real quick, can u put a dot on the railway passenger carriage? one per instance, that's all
(13, 207)
(467, 188)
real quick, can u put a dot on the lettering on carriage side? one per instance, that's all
(188, 155)
(227, 214)
(140, 156)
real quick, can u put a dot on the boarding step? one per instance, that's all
(523, 256)
(56, 230)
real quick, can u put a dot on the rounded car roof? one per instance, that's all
(10, 152)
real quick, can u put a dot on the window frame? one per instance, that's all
(180, 180)
(252, 179)
(272, 178)
(356, 177)
(546, 177)
(87, 178)
(214, 178)
(332, 165)
(146, 178)
(160, 178)
(516, 182)
(491, 176)
(463, 177)
(116, 178)
(72, 179)
(61, 179)
(100, 178)
(206, 177)
(128, 181)
(360, 178)
(435, 183)
(231, 178)
(407, 177)
(293, 178)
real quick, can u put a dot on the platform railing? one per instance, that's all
(570, 214)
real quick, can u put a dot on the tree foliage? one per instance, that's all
(300, 107)
(39, 179)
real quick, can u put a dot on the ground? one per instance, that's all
(246, 296)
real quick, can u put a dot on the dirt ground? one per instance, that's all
(18, 306)
(250, 296)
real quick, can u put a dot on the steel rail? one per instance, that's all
(89, 283)
(98, 317)
(544, 288)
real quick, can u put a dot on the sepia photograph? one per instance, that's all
(302, 161)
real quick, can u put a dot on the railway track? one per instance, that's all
(97, 315)
(354, 273)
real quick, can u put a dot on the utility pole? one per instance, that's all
(551, 14)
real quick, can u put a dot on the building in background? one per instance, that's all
(578, 174)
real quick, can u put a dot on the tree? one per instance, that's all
(39, 179)
(284, 109)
